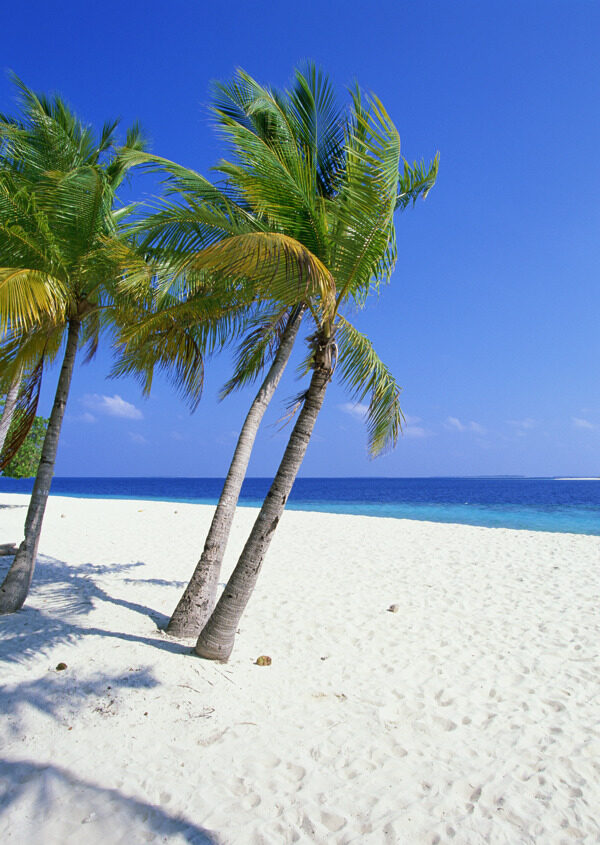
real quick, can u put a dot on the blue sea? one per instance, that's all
(536, 504)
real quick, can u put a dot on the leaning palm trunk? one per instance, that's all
(15, 587)
(197, 603)
(9, 407)
(217, 638)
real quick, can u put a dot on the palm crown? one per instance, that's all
(303, 215)
(58, 187)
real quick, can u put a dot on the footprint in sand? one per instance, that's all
(251, 801)
(238, 787)
(446, 724)
(389, 834)
(475, 795)
(439, 697)
(333, 822)
(270, 761)
(294, 772)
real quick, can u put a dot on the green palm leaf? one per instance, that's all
(363, 372)
(361, 217)
(262, 333)
(416, 180)
(26, 297)
(280, 267)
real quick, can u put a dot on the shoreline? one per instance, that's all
(470, 714)
(565, 519)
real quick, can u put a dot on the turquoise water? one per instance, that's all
(536, 504)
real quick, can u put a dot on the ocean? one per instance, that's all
(536, 504)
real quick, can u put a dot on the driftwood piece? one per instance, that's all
(8, 549)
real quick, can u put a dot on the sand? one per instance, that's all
(470, 715)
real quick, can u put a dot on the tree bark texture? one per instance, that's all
(217, 638)
(15, 587)
(198, 600)
(9, 408)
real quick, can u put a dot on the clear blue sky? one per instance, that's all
(491, 321)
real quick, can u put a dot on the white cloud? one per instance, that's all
(87, 417)
(478, 429)
(114, 406)
(138, 438)
(355, 409)
(457, 425)
(415, 431)
(578, 422)
(524, 425)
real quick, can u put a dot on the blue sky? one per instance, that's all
(490, 323)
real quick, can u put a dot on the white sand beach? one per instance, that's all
(471, 715)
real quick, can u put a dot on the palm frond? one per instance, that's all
(416, 180)
(53, 138)
(258, 346)
(361, 218)
(117, 168)
(279, 267)
(318, 125)
(175, 350)
(27, 297)
(274, 178)
(24, 413)
(363, 372)
(22, 351)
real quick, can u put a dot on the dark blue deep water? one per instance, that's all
(538, 504)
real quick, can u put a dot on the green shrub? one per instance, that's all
(25, 462)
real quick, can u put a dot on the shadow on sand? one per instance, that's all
(43, 788)
(68, 593)
(60, 695)
(34, 796)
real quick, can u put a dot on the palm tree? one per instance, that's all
(57, 275)
(355, 240)
(298, 136)
(294, 144)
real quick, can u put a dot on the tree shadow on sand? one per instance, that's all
(42, 797)
(39, 799)
(69, 593)
(61, 694)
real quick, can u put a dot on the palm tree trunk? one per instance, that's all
(9, 407)
(217, 638)
(198, 600)
(15, 587)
